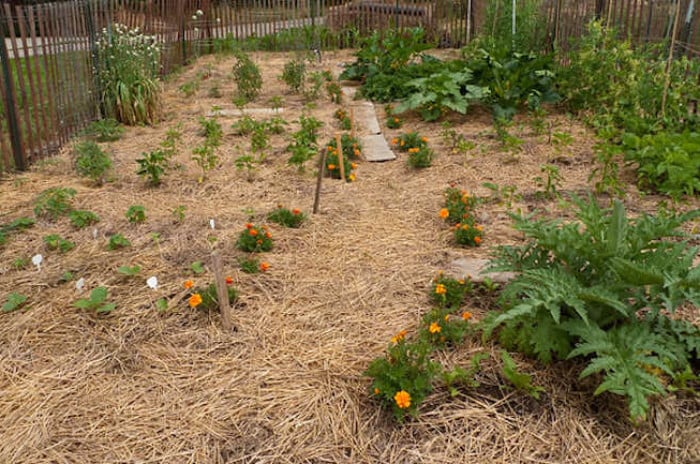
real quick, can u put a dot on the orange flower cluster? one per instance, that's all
(466, 315)
(399, 336)
(444, 213)
(188, 284)
(195, 300)
(402, 399)
(440, 289)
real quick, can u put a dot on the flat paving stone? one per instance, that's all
(245, 111)
(366, 119)
(375, 148)
(474, 268)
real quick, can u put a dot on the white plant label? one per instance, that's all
(37, 260)
(152, 282)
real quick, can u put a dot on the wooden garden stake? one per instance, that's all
(321, 168)
(667, 82)
(341, 161)
(222, 291)
(352, 122)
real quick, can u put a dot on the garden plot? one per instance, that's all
(156, 378)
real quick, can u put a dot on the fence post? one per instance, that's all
(10, 106)
(95, 57)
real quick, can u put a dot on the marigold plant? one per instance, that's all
(406, 141)
(468, 235)
(206, 298)
(441, 327)
(288, 218)
(254, 238)
(459, 205)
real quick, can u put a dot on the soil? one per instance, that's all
(143, 385)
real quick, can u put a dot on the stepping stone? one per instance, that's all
(246, 111)
(350, 92)
(375, 148)
(365, 118)
(474, 268)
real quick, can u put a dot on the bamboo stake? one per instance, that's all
(341, 161)
(222, 291)
(667, 83)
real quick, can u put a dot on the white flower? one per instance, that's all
(152, 282)
(196, 29)
(218, 20)
(194, 16)
(199, 13)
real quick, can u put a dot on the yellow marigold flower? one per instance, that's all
(479, 228)
(188, 284)
(357, 152)
(399, 336)
(351, 177)
(435, 328)
(440, 289)
(465, 227)
(466, 315)
(402, 143)
(461, 281)
(195, 300)
(477, 240)
(414, 150)
(331, 167)
(403, 399)
(444, 213)
(376, 391)
(447, 317)
(329, 148)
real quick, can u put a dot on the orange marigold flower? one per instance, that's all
(195, 300)
(440, 289)
(461, 281)
(296, 211)
(353, 165)
(329, 148)
(466, 315)
(444, 213)
(477, 240)
(479, 228)
(394, 141)
(259, 242)
(396, 120)
(249, 226)
(399, 336)
(351, 177)
(403, 399)
(264, 266)
(188, 284)
(229, 280)
(268, 235)
(331, 167)
(376, 391)
(465, 227)
(424, 139)
(414, 150)
(447, 317)
(434, 328)
(252, 232)
(357, 152)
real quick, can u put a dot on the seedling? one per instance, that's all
(117, 241)
(518, 379)
(56, 242)
(197, 267)
(129, 270)
(14, 302)
(97, 302)
(136, 214)
(81, 218)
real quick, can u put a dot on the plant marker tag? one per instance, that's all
(152, 282)
(211, 224)
(36, 260)
(80, 284)
(94, 233)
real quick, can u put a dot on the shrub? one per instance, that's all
(294, 75)
(247, 76)
(91, 161)
(604, 288)
(254, 238)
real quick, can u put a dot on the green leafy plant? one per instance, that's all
(448, 292)
(189, 88)
(403, 378)
(205, 155)
(294, 75)
(206, 298)
(394, 122)
(459, 206)
(440, 327)
(97, 302)
(666, 163)
(335, 92)
(550, 182)
(505, 194)
(408, 140)
(179, 213)
(604, 288)
(14, 302)
(117, 241)
(254, 238)
(54, 202)
(419, 158)
(104, 130)
(153, 165)
(56, 242)
(305, 141)
(247, 76)
(128, 74)
(312, 91)
(293, 218)
(197, 267)
(14, 226)
(129, 270)
(519, 380)
(81, 218)
(249, 265)
(343, 119)
(136, 214)
(461, 376)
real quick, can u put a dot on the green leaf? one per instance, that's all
(98, 295)
(14, 301)
(197, 267)
(162, 304)
(106, 308)
(617, 229)
(129, 270)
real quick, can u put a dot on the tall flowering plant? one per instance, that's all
(127, 70)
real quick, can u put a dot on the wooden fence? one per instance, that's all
(48, 88)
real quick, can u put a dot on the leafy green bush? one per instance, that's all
(605, 288)
(82, 218)
(104, 130)
(666, 163)
(91, 161)
(247, 76)
(305, 141)
(293, 218)
(54, 202)
(294, 75)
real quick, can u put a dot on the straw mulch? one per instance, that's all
(286, 386)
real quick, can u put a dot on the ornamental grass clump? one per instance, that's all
(254, 238)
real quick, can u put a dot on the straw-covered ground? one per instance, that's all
(142, 385)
